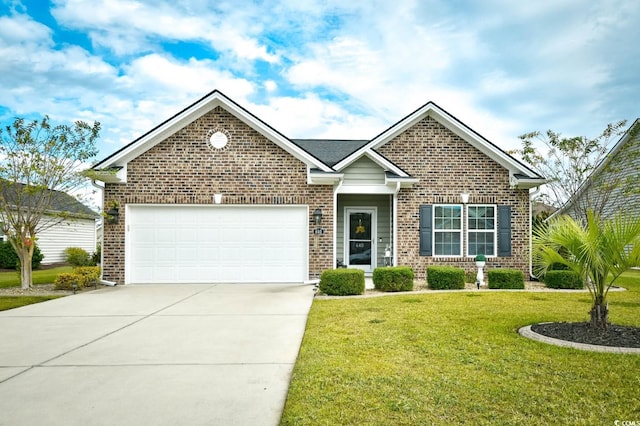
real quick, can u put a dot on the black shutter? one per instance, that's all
(425, 230)
(504, 230)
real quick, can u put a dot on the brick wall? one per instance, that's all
(447, 166)
(185, 169)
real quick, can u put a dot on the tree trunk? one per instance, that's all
(600, 314)
(25, 255)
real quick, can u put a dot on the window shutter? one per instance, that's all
(504, 230)
(425, 230)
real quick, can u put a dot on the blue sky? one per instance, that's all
(324, 69)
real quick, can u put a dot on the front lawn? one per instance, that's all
(10, 302)
(456, 358)
(41, 276)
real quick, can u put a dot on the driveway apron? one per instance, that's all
(190, 354)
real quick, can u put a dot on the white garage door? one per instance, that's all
(208, 244)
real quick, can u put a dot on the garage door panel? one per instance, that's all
(193, 244)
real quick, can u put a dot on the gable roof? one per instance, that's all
(61, 202)
(117, 161)
(520, 175)
(631, 134)
(323, 157)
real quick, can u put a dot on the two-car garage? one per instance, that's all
(216, 243)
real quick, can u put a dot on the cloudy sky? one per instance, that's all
(324, 69)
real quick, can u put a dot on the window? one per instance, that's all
(447, 230)
(481, 230)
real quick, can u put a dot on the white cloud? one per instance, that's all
(133, 26)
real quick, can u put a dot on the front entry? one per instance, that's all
(360, 238)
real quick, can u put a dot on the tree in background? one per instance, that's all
(599, 251)
(39, 165)
(568, 162)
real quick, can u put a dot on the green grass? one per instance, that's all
(456, 358)
(10, 302)
(44, 276)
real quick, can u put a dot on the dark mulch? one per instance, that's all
(580, 332)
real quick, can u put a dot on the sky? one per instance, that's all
(324, 69)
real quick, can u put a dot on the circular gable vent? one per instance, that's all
(218, 140)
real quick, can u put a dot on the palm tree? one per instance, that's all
(599, 251)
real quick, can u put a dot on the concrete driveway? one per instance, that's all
(215, 354)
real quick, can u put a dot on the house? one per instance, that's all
(69, 224)
(614, 185)
(215, 194)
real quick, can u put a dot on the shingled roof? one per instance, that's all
(330, 151)
(60, 201)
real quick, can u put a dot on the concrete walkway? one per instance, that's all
(153, 354)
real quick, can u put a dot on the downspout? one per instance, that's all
(100, 279)
(531, 195)
(336, 189)
(395, 225)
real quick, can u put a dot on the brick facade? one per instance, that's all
(446, 166)
(185, 169)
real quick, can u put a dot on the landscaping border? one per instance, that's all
(530, 334)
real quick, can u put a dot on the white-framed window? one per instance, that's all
(447, 230)
(481, 230)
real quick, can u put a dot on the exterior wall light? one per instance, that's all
(317, 216)
(465, 197)
(217, 198)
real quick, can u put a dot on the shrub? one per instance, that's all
(66, 280)
(77, 256)
(563, 279)
(506, 279)
(88, 275)
(398, 278)
(9, 258)
(342, 282)
(96, 256)
(445, 277)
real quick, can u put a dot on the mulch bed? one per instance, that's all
(580, 332)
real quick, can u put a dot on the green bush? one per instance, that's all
(77, 256)
(9, 258)
(445, 277)
(342, 282)
(398, 278)
(88, 275)
(506, 279)
(96, 256)
(66, 280)
(563, 279)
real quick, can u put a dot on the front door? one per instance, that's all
(360, 237)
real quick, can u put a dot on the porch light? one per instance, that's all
(465, 197)
(317, 216)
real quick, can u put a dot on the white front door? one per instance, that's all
(360, 238)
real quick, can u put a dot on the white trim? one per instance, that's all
(374, 235)
(474, 139)
(434, 231)
(367, 189)
(192, 113)
(495, 229)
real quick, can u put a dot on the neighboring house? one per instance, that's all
(77, 229)
(214, 194)
(614, 185)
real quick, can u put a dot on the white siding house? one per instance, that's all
(70, 233)
(69, 224)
